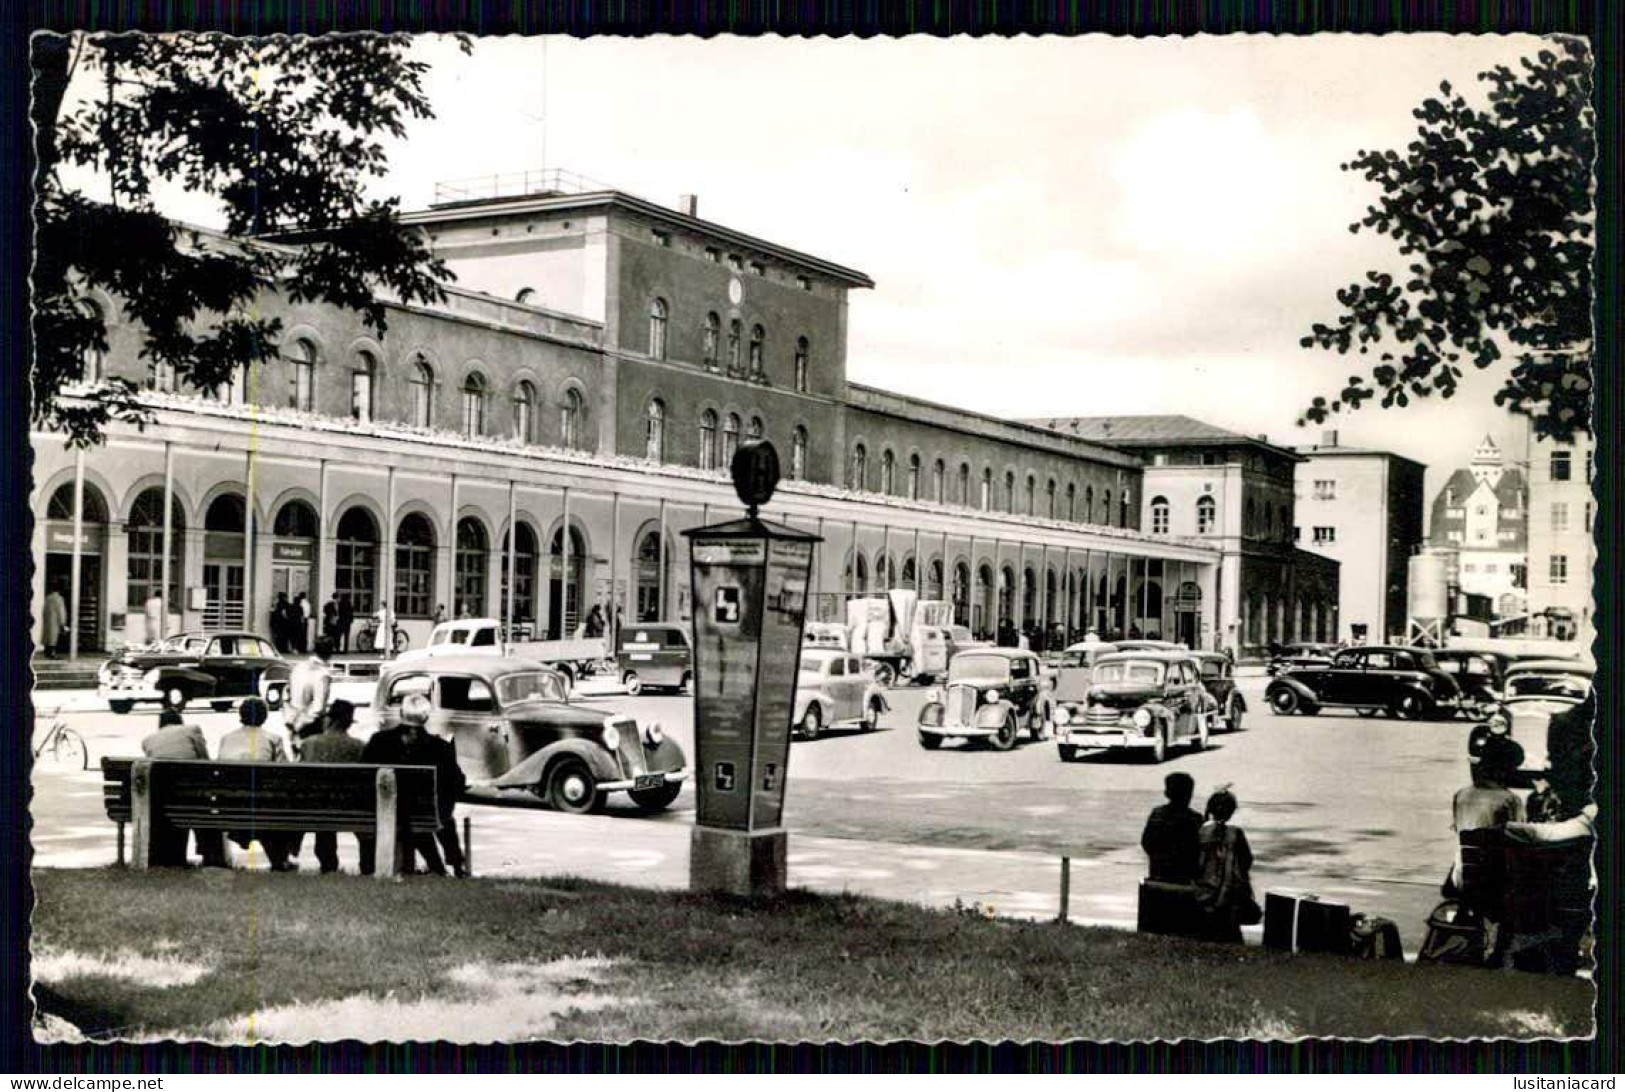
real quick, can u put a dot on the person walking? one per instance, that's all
(1224, 885)
(1171, 839)
(253, 743)
(310, 688)
(301, 623)
(174, 738)
(383, 630)
(334, 743)
(53, 620)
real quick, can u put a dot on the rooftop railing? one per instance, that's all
(539, 183)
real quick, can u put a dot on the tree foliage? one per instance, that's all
(284, 132)
(1494, 205)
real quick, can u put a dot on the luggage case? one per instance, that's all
(1305, 924)
(1455, 935)
(1168, 909)
(1372, 937)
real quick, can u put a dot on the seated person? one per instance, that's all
(252, 743)
(1170, 837)
(177, 739)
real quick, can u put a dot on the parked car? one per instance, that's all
(1539, 696)
(836, 689)
(960, 639)
(824, 635)
(1148, 702)
(991, 694)
(1219, 676)
(1404, 682)
(575, 657)
(1291, 657)
(1478, 675)
(518, 734)
(220, 668)
(654, 654)
(1147, 644)
(1084, 654)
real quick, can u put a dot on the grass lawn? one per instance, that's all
(260, 956)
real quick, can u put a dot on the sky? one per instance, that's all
(1055, 226)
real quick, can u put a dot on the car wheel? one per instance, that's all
(885, 675)
(174, 697)
(121, 707)
(871, 716)
(1005, 737)
(1284, 701)
(633, 684)
(657, 799)
(1235, 717)
(1409, 707)
(1159, 747)
(572, 789)
(812, 722)
(1068, 752)
(273, 697)
(1204, 727)
(929, 742)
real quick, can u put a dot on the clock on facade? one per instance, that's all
(736, 291)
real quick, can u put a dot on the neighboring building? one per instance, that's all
(577, 397)
(1207, 484)
(1364, 510)
(1481, 515)
(1562, 549)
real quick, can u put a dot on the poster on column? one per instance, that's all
(784, 610)
(727, 593)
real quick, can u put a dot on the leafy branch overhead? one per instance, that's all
(1493, 206)
(284, 132)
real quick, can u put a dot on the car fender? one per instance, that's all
(873, 693)
(195, 681)
(1161, 715)
(667, 757)
(1241, 702)
(808, 699)
(531, 771)
(994, 714)
(275, 673)
(1421, 690)
(1286, 682)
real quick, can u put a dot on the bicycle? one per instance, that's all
(63, 744)
(363, 641)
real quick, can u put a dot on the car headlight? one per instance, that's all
(931, 715)
(653, 733)
(611, 737)
(1063, 715)
(991, 696)
(1143, 718)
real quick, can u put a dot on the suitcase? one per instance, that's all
(1372, 937)
(1305, 924)
(1455, 935)
(1168, 909)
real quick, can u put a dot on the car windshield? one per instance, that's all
(1569, 687)
(529, 686)
(1135, 672)
(1212, 669)
(978, 667)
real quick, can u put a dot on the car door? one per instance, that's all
(1377, 683)
(857, 680)
(465, 711)
(1181, 683)
(224, 660)
(835, 687)
(257, 656)
(1338, 683)
(1023, 683)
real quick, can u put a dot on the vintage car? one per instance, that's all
(1219, 676)
(1290, 657)
(520, 736)
(1371, 679)
(960, 639)
(824, 635)
(1148, 701)
(991, 694)
(1542, 700)
(835, 689)
(1084, 654)
(654, 654)
(1478, 675)
(220, 668)
(1147, 644)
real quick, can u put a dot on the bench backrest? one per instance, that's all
(271, 796)
(1526, 886)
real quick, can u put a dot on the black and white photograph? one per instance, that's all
(683, 539)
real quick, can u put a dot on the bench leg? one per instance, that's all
(387, 858)
(141, 832)
(121, 845)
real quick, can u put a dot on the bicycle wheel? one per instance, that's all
(68, 748)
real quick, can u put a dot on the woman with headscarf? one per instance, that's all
(1224, 883)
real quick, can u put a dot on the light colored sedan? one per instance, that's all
(835, 689)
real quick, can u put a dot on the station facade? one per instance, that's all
(536, 442)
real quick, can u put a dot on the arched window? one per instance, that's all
(295, 519)
(355, 575)
(1159, 515)
(1010, 491)
(647, 605)
(708, 440)
(735, 335)
(888, 472)
(144, 543)
(1089, 504)
(524, 576)
(570, 419)
(471, 566)
(654, 430)
(933, 579)
(1032, 495)
(1071, 502)
(860, 468)
(414, 567)
(301, 375)
(987, 490)
(363, 377)
(1107, 505)
(1122, 509)
(962, 494)
(1250, 522)
(757, 337)
(939, 481)
(564, 599)
(526, 295)
(708, 349)
(234, 392)
(798, 454)
(730, 439)
(861, 575)
(803, 353)
(1206, 515)
(960, 595)
(423, 394)
(524, 412)
(161, 376)
(92, 359)
(474, 405)
(1049, 494)
(757, 429)
(913, 477)
(657, 328)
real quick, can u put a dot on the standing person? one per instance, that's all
(252, 743)
(53, 620)
(330, 619)
(1171, 837)
(439, 613)
(383, 630)
(301, 621)
(153, 608)
(310, 687)
(595, 621)
(1224, 884)
(279, 622)
(335, 744)
(346, 621)
(409, 744)
(177, 739)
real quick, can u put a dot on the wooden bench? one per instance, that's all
(386, 802)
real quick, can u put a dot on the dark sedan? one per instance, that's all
(1292, 657)
(519, 735)
(1219, 676)
(220, 668)
(1371, 679)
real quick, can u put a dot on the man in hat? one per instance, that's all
(334, 743)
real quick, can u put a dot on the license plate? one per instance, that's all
(648, 781)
